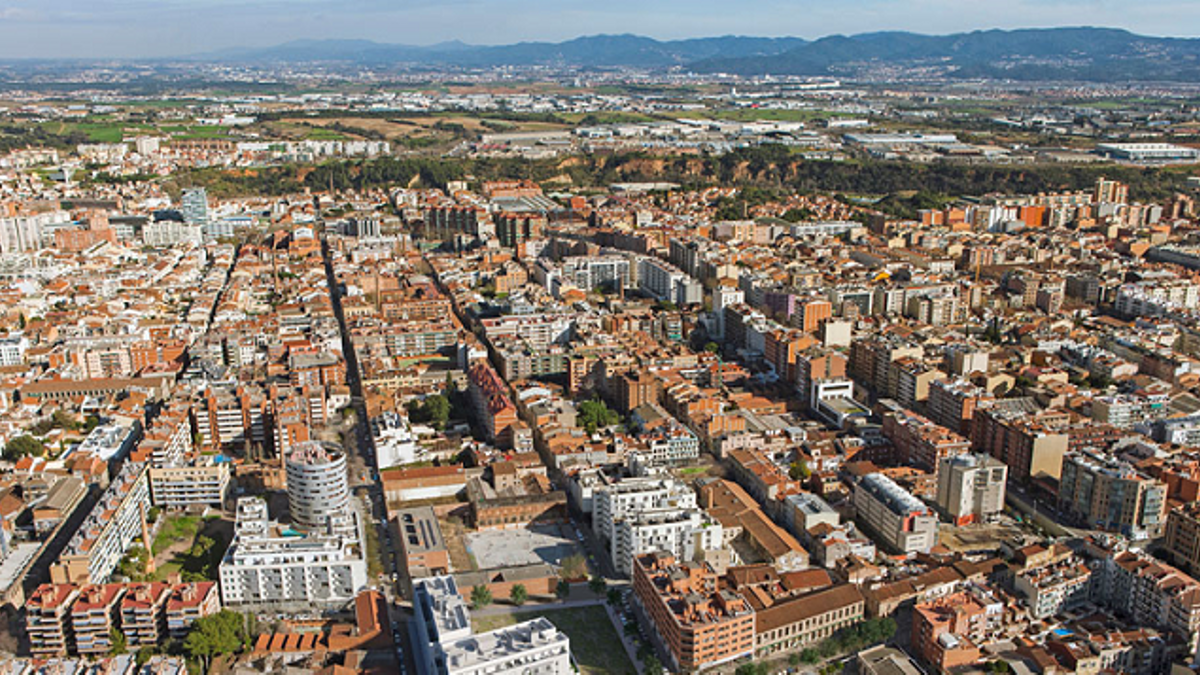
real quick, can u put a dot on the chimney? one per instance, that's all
(146, 543)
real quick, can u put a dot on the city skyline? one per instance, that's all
(49, 29)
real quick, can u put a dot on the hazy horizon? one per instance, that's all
(167, 28)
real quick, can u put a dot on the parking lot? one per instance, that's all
(526, 546)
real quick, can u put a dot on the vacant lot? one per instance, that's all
(526, 546)
(975, 537)
(594, 642)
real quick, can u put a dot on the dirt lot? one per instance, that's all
(975, 537)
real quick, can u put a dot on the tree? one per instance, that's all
(481, 596)
(563, 589)
(143, 655)
(799, 470)
(793, 659)
(116, 640)
(215, 635)
(518, 595)
(595, 414)
(573, 567)
(651, 665)
(597, 585)
(23, 446)
(614, 597)
(809, 655)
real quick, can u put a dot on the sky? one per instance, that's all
(157, 28)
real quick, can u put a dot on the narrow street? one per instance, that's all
(360, 449)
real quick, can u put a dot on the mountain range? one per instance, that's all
(1082, 54)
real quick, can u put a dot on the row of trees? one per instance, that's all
(764, 172)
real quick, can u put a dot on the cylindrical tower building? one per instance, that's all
(317, 486)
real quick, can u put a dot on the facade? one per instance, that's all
(1106, 493)
(902, 521)
(971, 487)
(317, 487)
(797, 622)
(267, 565)
(180, 487)
(445, 644)
(697, 623)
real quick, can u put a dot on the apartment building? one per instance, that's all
(971, 487)
(946, 631)
(920, 442)
(1106, 493)
(318, 487)
(204, 483)
(190, 601)
(489, 394)
(697, 623)
(445, 643)
(1059, 586)
(902, 522)
(666, 282)
(1152, 593)
(270, 565)
(143, 613)
(1032, 445)
(1182, 535)
(952, 403)
(47, 619)
(94, 616)
(101, 541)
(637, 515)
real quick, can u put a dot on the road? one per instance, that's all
(361, 455)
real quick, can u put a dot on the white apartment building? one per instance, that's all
(317, 486)
(22, 234)
(268, 565)
(12, 350)
(900, 520)
(681, 532)
(101, 541)
(625, 498)
(971, 487)
(171, 233)
(666, 282)
(445, 644)
(637, 515)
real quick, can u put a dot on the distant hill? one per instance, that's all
(1079, 54)
(1086, 54)
(598, 50)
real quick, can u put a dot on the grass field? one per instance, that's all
(594, 641)
(174, 529)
